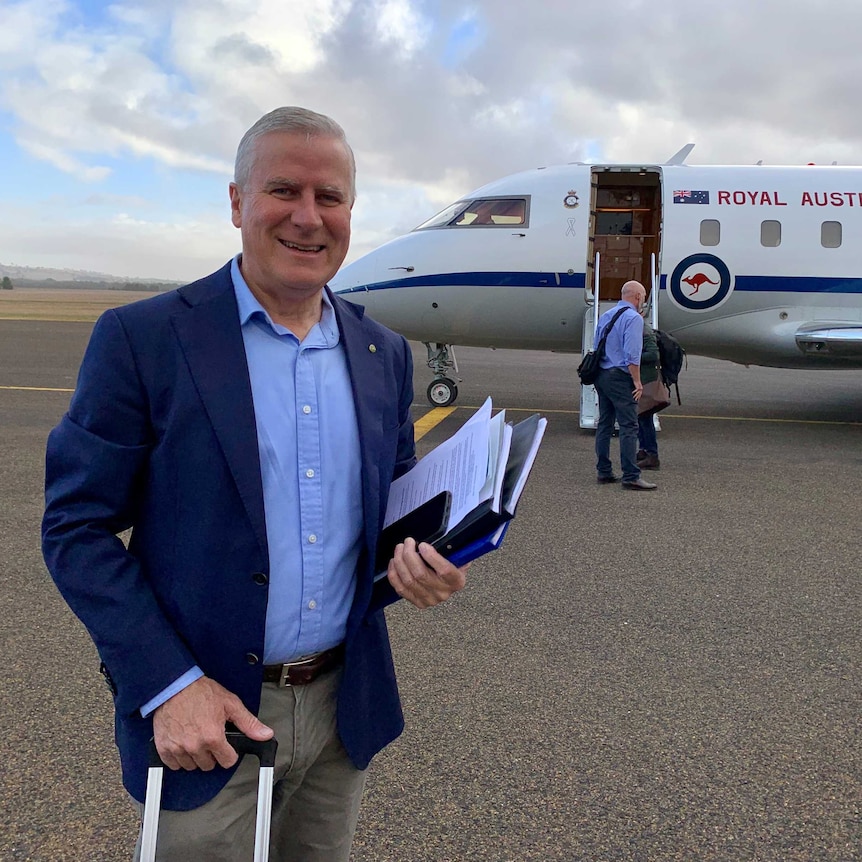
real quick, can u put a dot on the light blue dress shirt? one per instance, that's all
(310, 464)
(625, 340)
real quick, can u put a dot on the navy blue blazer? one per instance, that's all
(160, 437)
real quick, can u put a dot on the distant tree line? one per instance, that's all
(54, 284)
(7, 283)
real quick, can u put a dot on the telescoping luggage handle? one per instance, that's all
(264, 751)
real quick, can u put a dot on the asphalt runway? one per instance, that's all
(664, 676)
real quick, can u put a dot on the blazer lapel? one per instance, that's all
(364, 362)
(211, 339)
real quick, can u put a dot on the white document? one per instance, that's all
(499, 440)
(459, 465)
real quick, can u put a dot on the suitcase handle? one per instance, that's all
(263, 751)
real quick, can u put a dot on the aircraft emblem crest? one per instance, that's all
(700, 282)
(570, 201)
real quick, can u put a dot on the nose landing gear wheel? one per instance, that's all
(442, 392)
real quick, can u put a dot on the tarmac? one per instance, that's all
(672, 675)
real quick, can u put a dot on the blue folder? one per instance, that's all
(479, 547)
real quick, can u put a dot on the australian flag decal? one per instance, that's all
(689, 197)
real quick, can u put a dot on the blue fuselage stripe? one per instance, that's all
(479, 279)
(748, 283)
(798, 284)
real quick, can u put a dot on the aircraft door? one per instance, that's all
(625, 227)
(624, 245)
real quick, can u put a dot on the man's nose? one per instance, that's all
(306, 212)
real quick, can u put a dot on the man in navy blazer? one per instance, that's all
(176, 431)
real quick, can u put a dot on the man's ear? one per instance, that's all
(235, 205)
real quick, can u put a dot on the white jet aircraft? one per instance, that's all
(754, 264)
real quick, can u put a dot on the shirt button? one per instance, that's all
(312, 605)
(306, 409)
(312, 538)
(309, 473)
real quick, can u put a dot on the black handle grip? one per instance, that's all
(263, 751)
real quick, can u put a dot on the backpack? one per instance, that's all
(671, 358)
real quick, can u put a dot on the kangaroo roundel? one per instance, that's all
(700, 282)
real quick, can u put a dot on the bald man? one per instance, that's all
(619, 388)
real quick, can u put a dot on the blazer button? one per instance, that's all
(260, 578)
(251, 658)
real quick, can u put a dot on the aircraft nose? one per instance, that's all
(356, 276)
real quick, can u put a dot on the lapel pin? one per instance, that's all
(372, 348)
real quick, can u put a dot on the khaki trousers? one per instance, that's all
(316, 796)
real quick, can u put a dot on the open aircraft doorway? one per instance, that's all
(624, 245)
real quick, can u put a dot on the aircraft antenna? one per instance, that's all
(680, 157)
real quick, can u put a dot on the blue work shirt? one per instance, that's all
(625, 340)
(308, 440)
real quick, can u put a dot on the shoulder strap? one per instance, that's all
(610, 326)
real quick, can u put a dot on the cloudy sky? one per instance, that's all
(119, 121)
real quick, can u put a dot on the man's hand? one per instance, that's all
(637, 386)
(422, 576)
(189, 727)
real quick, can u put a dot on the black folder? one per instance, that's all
(488, 516)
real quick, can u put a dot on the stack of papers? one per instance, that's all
(484, 466)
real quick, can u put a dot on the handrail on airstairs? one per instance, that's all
(653, 293)
(588, 416)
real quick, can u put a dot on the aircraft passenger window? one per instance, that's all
(493, 211)
(710, 231)
(830, 234)
(770, 233)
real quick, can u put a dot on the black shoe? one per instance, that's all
(641, 454)
(649, 461)
(607, 480)
(640, 485)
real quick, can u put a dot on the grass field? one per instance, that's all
(84, 305)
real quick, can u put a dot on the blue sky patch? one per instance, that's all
(464, 38)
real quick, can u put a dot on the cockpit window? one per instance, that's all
(482, 212)
(445, 216)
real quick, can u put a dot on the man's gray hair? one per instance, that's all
(289, 119)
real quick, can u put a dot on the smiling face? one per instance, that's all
(294, 214)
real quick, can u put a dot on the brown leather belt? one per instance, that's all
(304, 670)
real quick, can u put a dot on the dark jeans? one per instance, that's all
(617, 405)
(646, 434)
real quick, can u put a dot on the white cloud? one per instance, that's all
(125, 245)
(65, 162)
(438, 98)
(400, 26)
(24, 26)
(216, 39)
